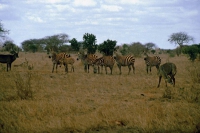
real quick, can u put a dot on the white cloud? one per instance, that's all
(84, 3)
(35, 18)
(47, 1)
(123, 1)
(111, 8)
(3, 6)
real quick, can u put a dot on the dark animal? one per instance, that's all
(167, 71)
(8, 59)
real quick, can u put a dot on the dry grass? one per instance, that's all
(36, 100)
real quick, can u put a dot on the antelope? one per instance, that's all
(56, 58)
(87, 60)
(152, 61)
(66, 61)
(127, 60)
(167, 71)
(8, 59)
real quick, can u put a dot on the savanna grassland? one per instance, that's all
(32, 99)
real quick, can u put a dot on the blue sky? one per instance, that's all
(125, 21)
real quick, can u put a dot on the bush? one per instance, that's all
(192, 51)
(23, 86)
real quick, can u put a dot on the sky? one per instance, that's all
(125, 21)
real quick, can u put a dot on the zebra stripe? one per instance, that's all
(109, 61)
(128, 60)
(87, 60)
(152, 61)
(66, 61)
(56, 58)
(98, 62)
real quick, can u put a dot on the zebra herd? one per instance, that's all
(167, 70)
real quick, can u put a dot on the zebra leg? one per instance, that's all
(88, 67)
(106, 69)
(56, 67)
(160, 77)
(111, 70)
(147, 68)
(66, 68)
(85, 68)
(73, 68)
(150, 68)
(53, 67)
(133, 68)
(157, 67)
(129, 69)
(119, 66)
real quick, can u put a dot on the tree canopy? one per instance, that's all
(2, 30)
(89, 43)
(54, 42)
(192, 51)
(107, 47)
(75, 44)
(180, 38)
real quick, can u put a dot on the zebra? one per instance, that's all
(8, 59)
(152, 61)
(87, 59)
(127, 60)
(167, 71)
(66, 61)
(109, 61)
(98, 62)
(56, 58)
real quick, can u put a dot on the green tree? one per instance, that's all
(55, 41)
(125, 49)
(75, 44)
(136, 48)
(180, 39)
(149, 46)
(89, 43)
(153, 51)
(107, 47)
(10, 46)
(192, 51)
(65, 48)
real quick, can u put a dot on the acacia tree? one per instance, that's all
(180, 38)
(2, 30)
(149, 46)
(89, 43)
